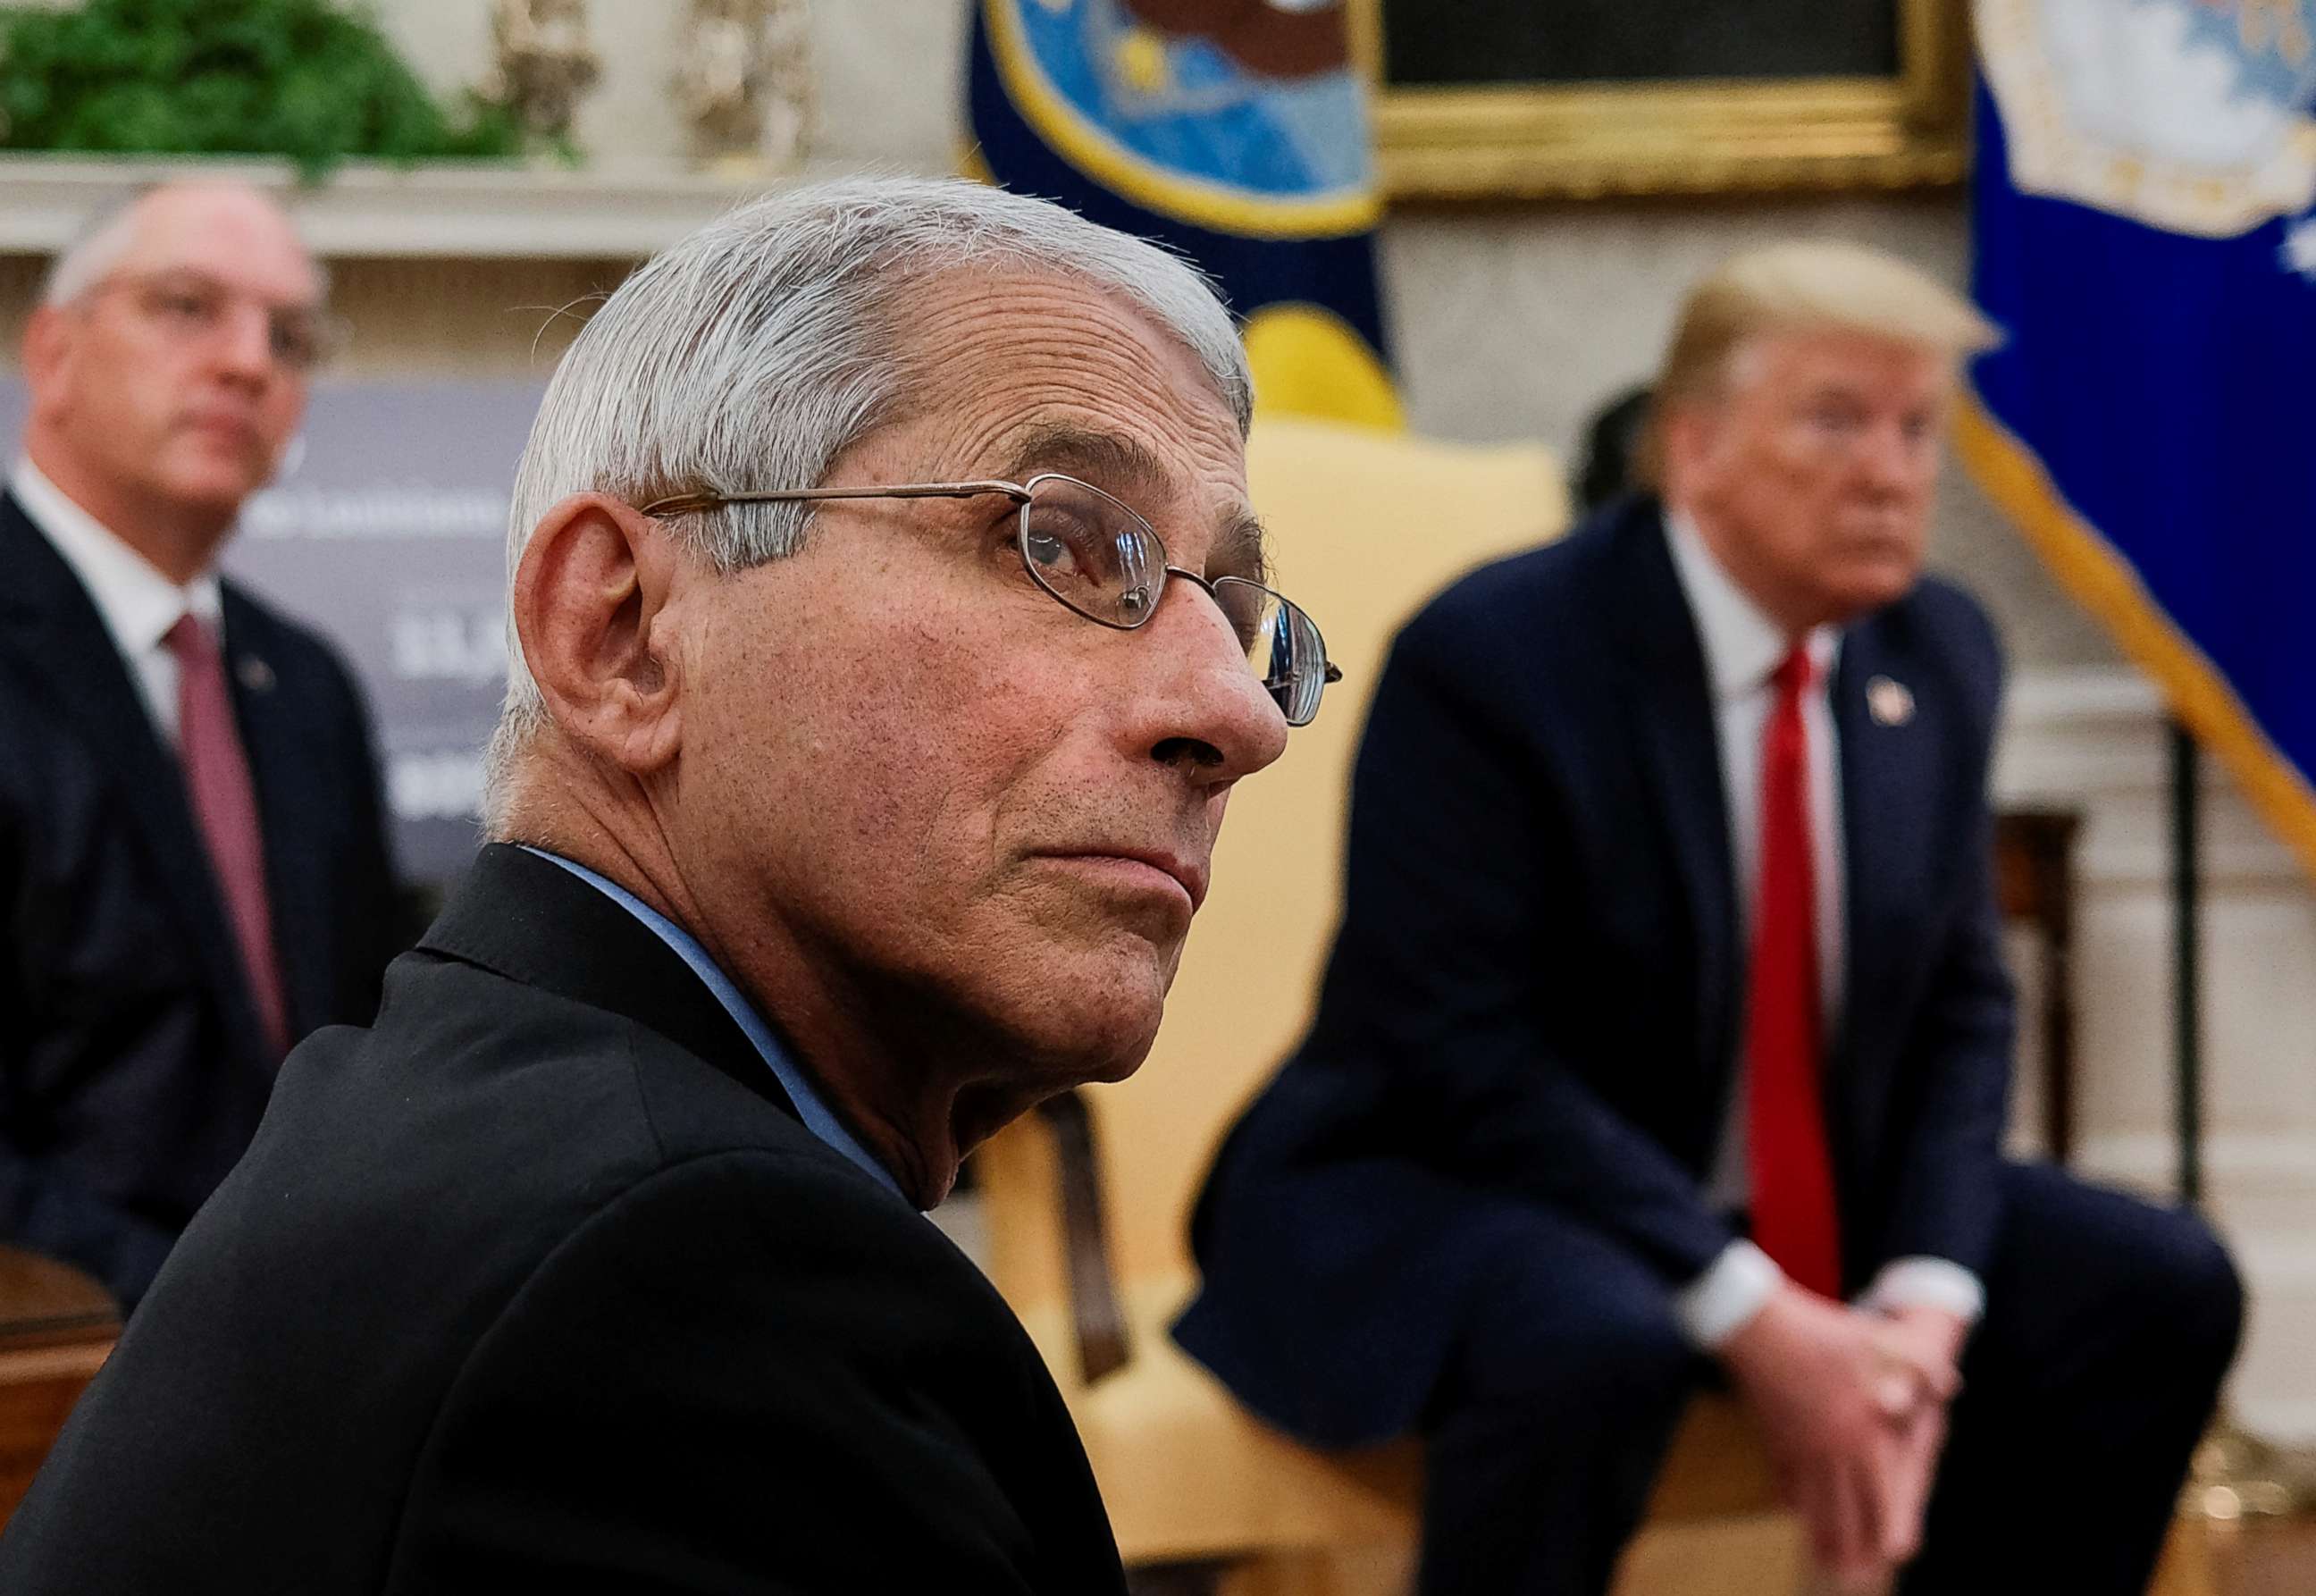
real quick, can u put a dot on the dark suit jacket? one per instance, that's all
(1536, 994)
(132, 1065)
(540, 1284)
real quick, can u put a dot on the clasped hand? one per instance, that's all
(1852, 1405)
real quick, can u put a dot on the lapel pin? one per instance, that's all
(255, 675)
(1891, 702)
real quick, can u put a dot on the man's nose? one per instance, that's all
(1889, 459)
(243, 347)
(1200, 708)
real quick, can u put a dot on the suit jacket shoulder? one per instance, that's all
(1543, 624)
(1536, 598)
(813, 1347)
(541, 1276)
(1943, 624)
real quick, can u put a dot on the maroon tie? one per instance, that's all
(216, 777)
(1792, 1171)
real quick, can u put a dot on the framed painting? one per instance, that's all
(1534, 99)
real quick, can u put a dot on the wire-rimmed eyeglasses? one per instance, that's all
(1104, 562)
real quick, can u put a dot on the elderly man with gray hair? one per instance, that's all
(893, 630)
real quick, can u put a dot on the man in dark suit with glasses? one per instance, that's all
(194, 862)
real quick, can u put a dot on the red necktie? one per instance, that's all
(225, 803)
(1792, 1171)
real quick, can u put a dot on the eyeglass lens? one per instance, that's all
(1103, 560)
(198, 306)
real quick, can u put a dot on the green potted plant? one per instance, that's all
(304, 79)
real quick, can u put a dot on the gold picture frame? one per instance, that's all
(1684, 136)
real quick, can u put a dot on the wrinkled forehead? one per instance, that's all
(1017, 374)
(965, 331)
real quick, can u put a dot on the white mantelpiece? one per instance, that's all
(479, 210)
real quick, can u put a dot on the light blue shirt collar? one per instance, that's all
(818, 1117)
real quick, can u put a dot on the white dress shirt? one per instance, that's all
(137, 603)
(1742, 649)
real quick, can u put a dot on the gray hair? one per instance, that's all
(95, 247)
(759, 349)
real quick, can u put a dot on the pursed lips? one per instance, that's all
(1190, 874)
(1878, 536)
(230, 424)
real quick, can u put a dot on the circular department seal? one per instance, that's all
(1242, 116)
(2189, 115)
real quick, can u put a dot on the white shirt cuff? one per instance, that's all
(1927, 1283)
(1721, 1302)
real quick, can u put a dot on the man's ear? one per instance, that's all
(594, 577)
(1686, 435)
(47, 353)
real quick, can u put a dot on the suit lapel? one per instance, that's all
(1670, 697)
(60, 640)
(1888, 764)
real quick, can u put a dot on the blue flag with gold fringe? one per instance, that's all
(2143, 200)
(1235, 132)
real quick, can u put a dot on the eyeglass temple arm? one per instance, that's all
(681, 502)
